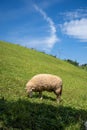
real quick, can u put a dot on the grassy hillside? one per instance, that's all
(18, 112)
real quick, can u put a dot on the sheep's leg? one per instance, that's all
(40, 95)
(58, 94)
(58, 98)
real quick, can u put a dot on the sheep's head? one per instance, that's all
(29, 88)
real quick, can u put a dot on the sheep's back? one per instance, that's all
(46, 81)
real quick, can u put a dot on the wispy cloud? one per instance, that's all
(46, 42)
(75, 14)
(48, 19)
(47, 3)
(23, 35)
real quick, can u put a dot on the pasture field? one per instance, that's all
(18, 112)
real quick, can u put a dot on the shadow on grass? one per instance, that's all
(25, 115)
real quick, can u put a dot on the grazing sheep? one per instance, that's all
(45, 82)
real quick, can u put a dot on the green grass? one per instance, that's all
(18, 112)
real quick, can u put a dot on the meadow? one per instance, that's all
(19, 112)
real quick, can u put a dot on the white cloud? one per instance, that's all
(46, 42)
(75, 24)
(76, 29)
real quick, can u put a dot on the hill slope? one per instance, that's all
(17, 66)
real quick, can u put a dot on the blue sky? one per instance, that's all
(57, 27)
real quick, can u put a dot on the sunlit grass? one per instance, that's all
(18, 112)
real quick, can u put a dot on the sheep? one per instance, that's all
(45, 82)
